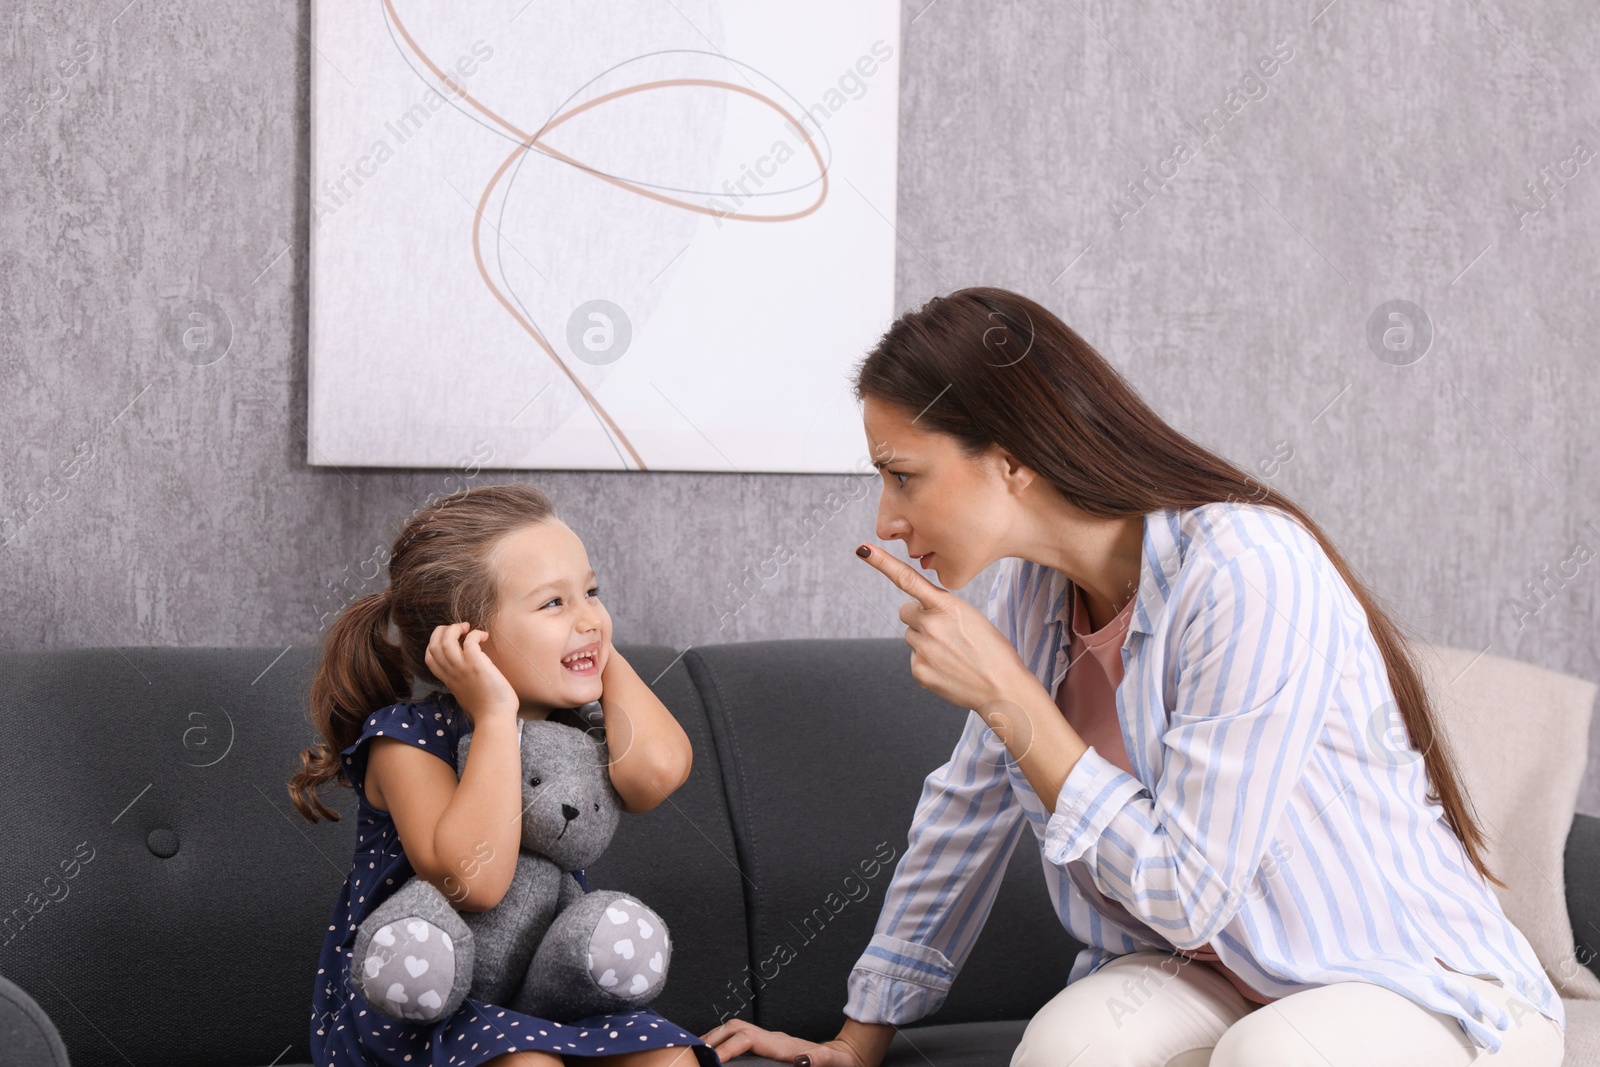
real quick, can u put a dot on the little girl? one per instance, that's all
(492, 598)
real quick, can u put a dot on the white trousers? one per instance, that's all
(1157, 1009)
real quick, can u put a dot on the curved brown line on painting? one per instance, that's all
(625, 184)
(527, 142)
(477, 256)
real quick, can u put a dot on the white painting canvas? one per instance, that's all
(644, 236)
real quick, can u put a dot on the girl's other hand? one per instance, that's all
(456, 658)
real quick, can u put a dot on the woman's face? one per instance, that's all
(952, 510)
(549, 608)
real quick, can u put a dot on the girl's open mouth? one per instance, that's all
(580, 662)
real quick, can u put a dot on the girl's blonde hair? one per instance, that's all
(438, 574)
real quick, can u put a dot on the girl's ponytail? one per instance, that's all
(439, 573)
(361, 670)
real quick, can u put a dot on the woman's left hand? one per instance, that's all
(956, 652)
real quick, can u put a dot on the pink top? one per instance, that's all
(1087, 698)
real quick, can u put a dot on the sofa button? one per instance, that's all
(163, 843)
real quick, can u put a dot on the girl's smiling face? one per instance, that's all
(550, 635)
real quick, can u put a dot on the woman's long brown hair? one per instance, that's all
(439, 573)
(993, 368)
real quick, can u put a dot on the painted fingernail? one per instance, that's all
(863, 551)
(803, 1060)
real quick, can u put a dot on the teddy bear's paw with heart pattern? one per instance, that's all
(628, 950)
(408, 970)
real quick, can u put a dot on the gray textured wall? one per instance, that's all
(155, 155)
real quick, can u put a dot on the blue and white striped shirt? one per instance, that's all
(1276, 811)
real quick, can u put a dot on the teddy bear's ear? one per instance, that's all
(461, 753)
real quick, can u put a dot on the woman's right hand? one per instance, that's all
(456, 658)
(738, 1036)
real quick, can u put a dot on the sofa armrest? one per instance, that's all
(27, 1036)
(1582, 866)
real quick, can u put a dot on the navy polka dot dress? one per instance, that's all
(346, 1031)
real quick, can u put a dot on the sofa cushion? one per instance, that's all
(827, 743)
(164, 894)
(149, 814)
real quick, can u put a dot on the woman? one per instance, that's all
(1263, 870)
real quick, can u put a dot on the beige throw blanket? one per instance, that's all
(1520, 738)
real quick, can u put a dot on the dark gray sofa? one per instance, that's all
(165, 904)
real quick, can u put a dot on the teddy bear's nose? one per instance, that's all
(569, 811)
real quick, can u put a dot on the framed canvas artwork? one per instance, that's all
(575, 236)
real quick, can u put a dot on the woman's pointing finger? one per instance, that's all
(910, 582)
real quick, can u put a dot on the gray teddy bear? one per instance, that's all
(548, 949)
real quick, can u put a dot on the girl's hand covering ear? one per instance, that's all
(456, 658)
